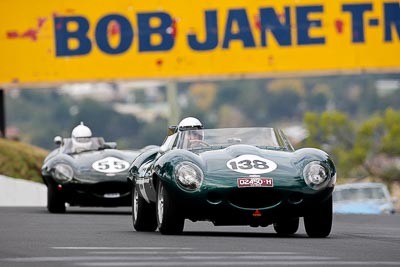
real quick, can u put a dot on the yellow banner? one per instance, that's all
(80, 40)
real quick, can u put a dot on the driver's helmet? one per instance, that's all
(81, 138)
(191, 123)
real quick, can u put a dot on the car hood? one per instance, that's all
(95, 166)
(92, 156)
(103, 163)
(215, 162)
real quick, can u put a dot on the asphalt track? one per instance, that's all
(29, 236)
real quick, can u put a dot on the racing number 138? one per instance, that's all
(248, 164)
(251, 164)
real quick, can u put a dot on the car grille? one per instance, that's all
(254, 198)
(101, 189)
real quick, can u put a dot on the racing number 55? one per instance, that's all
(110, 165)
(105, 165)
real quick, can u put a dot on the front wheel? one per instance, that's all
(55, 201)
(287, 226)
(170, 220)
(319, 223)
(143, 213)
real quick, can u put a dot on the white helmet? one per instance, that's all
(190, 123)
(81, 131)
(81, 137)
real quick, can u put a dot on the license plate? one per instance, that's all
(112, 195)
(255, 182)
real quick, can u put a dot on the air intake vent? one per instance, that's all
(254, 198)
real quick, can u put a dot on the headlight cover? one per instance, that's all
(63, 173)
(387, 209)
(316, 175)
(189, 176)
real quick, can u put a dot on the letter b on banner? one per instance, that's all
(63, 35)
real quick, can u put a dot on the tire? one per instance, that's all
(170, 221)
(143, 213)
(319, 223)
(286, 226)
(55, 201)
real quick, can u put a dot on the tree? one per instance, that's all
(203, 94)
(285, 98)
(391, 139)
(231, 117)
(318, 98)
(370, 148)
(332, 132)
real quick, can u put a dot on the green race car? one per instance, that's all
(92, 177)
(232, 176)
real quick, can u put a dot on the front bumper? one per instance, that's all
(248, 206)
(100, 194)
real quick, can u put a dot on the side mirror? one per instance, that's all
(163, 149)
(172, 129)
(58, 140)
(110, 145)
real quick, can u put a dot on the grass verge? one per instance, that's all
(21, 160)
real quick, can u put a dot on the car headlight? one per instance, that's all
(316, 175)
(386, 209)
(63, 173)
(189, 176)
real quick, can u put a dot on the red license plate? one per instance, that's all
(255, 182)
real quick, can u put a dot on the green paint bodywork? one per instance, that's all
(219, 199)
(88, 187)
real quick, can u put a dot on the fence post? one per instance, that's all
(2, 114)
(174, 109)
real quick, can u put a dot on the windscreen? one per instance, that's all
(94, 143)
(261, 137)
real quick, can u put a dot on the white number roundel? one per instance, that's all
(110, 165)
(251, 164)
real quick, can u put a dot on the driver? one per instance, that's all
(81, 138)
(195, 136)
